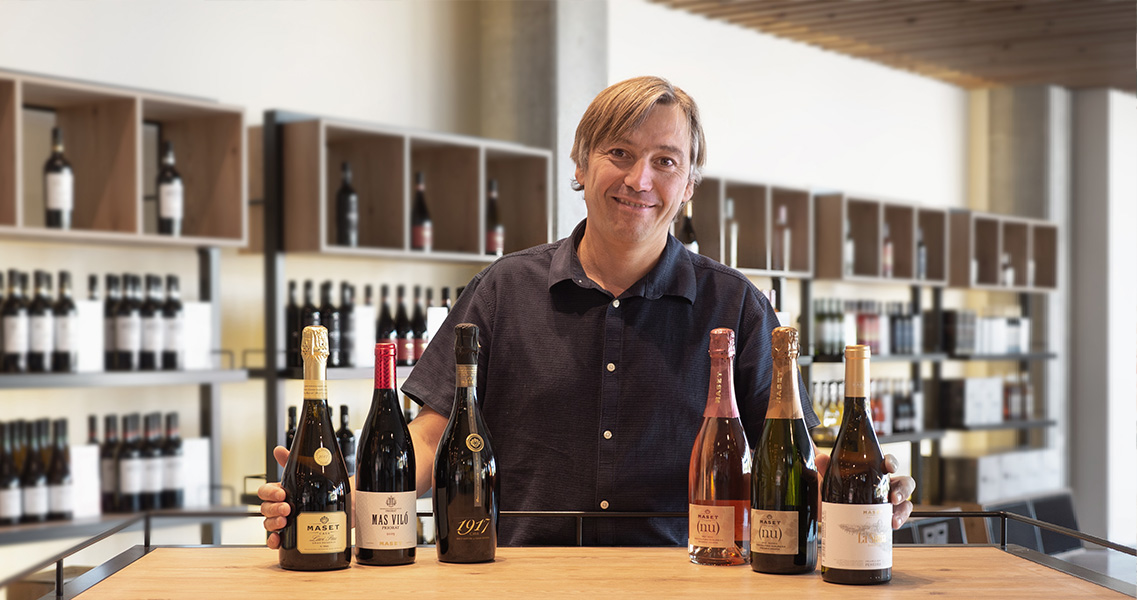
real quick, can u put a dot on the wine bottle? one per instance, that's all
(153, 327)
(34, 479)
(110, 307)
(11, 496)
(309, 317)
(921, 255)
(292, 326)
(347, 326)
(495, 231)
(3, 301)
(404, 334)
(15, 317)
(59, 489)
(422, 236)
(92, 287)
(466, 486)
(850, 254)
(385, 324)
(173, 327)
(316, 535)
(687, 230)
(173, 478)
(385, 490)
(128, 327)
(41, 327)
(152, 462)
(108, 467)
(719, 474)
(418, 325)
(171, 194)
(43, 432)
(58, 185)
(731, 231)
(886, 253)
(446, 299)
(368, 294)
(330, 319)
(784, 480)
(347, 210)
(346, 439)
(65, 358)
(92, 430)
(128, 459)
(290, 432)
(19, 445)
(856, 516)
(782, 240)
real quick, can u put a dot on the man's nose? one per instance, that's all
(638, 176)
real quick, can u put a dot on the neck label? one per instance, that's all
(467, 376)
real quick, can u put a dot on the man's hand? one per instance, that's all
(900, 487)
(273, 506)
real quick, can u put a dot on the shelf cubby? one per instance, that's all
(707, 216)
(523, 177)
(987, 244)
(799, 212)
(751, 211)
(9, 151)
(1044, 249)
(452, 174)
(934, 226)
(378, 161)
(836, 214)
(901, 222)
(979, 240)
(1016, 245)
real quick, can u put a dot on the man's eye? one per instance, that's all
(668, 162)
(618, 153)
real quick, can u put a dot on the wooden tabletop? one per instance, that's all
(241, 572)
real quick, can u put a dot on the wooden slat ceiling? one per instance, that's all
(972, 44)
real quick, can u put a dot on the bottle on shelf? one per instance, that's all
(108, 465)
(11, 496)
(34, 480)
(886, 253)
(782, 240)
(316, 535)
(92, 430)
(731, 231)
(92, 287)
(385, 492)
(418, 324)
(347, 325)
(290, 431)
(368, 294)
(41, 325)
(921, 255)
(446, 303)
(495, 231)
(173, 475)
(43, 430)
(15, 317)
(330, 320)
(20, 444)
(784, 480)
(309, 317)
(422, 231)
(150, 313)
(292, 326)
(128, 459)
(60, 498)
(404, 334)
(152, 462)
(856, 516)
(110, 308)
(347, 210)
(346, 439)
(171, 194)
(850, 253)
(686, 230)
(3, 301)
(58, 185)
(719, 473)
(385, 324)
(128, 327)
(65, 357)
(173, 323)
(1008, 270)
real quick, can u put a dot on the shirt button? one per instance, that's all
(604, 504)
(607, 435)
(616, 303)
(611, 367)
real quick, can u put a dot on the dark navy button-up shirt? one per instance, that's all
(593, 402)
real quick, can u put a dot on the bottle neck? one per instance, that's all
(385, 372)
(720, 394)
(784, 391)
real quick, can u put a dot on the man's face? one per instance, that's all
(633, 187)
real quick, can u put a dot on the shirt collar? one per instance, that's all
(673, 275)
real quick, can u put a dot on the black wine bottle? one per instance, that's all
(173, 327)
(152, 462)
(422, 231)
(446, 299)
(316, 535)
(290, 431)
(418, 325)
(34, 479)
(92, 430)
(41, 328)
(347, 210)
(346, 439)
(15, 317)
(686, 232)
(385, 324)
(153, 327)
(128, 460)
(495, 231)
(19, 445)
(128, 327)
(466, 486)
(3, 301)
(11, 496)
(404, 335)
(292, 326)
(784, 480)
(60, 498)
(171, 194)
(330, 319)
(347, 325)
(58, 185)
(108, 466)
(385, 522)
(309, 317)
(110, 307)
(65, 357)
(856, 516)
(173, 478)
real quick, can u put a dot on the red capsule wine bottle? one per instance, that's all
(785, 482)
(466, 487)
(856, 516)
(718, 483)
(422, 229)
(317, 534)
(385, 493)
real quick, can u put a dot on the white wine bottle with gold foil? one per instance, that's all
(317, 534)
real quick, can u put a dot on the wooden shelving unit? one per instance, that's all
(980, 241)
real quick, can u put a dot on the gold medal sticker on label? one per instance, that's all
(467, 376)
(315, 390)
(323, 457)
(475, 442)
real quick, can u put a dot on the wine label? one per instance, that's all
(420, 347)
(61, 190)
(172, 473)
(11, 504)
(172, 334)
(422, 237)
(315, 389)
(773, 531)
(170, 199)
(35, 500)
(323, 457)
(60, 498)
(65, 334)
(405, 349)
(495, 240)
(385, 520)
(152, 474)
(321, 532)
(152, 334)
(473, 529)
(130, 476)
(467, 376)
(42, 333)
(856, 536)
(16, 334)
(108, 476)
(128, 333)
(710, 526)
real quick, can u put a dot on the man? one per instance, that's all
(593, 366)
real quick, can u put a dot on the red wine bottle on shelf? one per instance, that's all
(719, 474)
(347, 210)
(34, 480)
(292, 326)
(110, 325)
(446, 299)
(173, 333)
(41, 325)
(171, 194)
(65, 357)
(346, 439)
(128, 459)
(347, 325)
(58, 185)
(150, 313)
(15, 317)
(60, 499)
(152, 462)
(418, 325)
(330, 319)
(422, 235)
(108, 467)
(173, 477)
(385, 324)
(404, 334)
(495, 231)
(466, 486)
(785, 482)
(385, 493)
(782, 242)
(128, 326)
(290, 432)
(317, 534)
(11, 496)
(856, 516)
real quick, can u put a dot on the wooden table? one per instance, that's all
(243, 572)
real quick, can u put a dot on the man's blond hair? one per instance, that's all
(623, 106)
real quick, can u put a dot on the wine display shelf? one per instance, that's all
(334, 374)
(879, 358)
(934, 357)
(19, 381)
(104, 129)
(95, 526)
(980, 241)
(1010, 425)
(1027, 357)
(898, 438)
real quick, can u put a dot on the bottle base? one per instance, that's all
(856, 577)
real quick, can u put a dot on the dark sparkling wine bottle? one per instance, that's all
(60, 501)
(347, 324)
(58, 185)
(34, 480)
(292, 326)
(173, 319)
(422, 230)
(346, 439)
(317, 534)
(11, 497)
(14, 315)
(173, 480)
(466, 486)
(290, 432)
(784, 480)
(385, 513)
(108, 467)
(110, 307)
(65, 357)
(856, 516)
(171, 194)
(330, 319)
(347, 211)
(41, 327)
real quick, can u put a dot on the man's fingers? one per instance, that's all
(280, 453)
(900, 513)
(891, 465)
(900, 488)
(273, 541)
(275, 509)
(271, 492)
